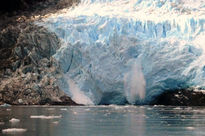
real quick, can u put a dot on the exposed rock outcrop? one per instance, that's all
(183, 97)
(15, 11)
(28, 73)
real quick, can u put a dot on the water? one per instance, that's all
(105, 121)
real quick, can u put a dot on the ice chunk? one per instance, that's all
(63, 109)
(56, 122)
(190, 128)
(45, 117)
(14, 120)
(13, 130)
(5, 105)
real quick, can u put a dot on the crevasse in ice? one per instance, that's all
(119, 51)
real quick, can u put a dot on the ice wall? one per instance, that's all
(119, 51)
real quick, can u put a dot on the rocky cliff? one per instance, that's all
(28, 73)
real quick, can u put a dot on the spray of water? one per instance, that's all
(134, 84)
(77, 95)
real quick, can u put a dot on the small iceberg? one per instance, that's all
(190, 128)
(5, 105)
(13, 120)
(56, 122)
(63, 109)
(13, 130)
(45, 117)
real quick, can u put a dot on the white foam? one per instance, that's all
(45, 117)
(14, 130)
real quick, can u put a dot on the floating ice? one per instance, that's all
(45, 117)
(51, 109)
(14, 120)
(56, 122)
(190, 128)
(13, 130)
(63, 109)
(87, 109)
(5, 105)
(177, 108)
(102, 40)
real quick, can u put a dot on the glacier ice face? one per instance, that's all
(119, 51)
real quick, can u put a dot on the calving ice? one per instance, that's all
(129, 51)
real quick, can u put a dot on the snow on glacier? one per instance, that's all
(118, 51)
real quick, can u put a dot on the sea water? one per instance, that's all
(102, 121)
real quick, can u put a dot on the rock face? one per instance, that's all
(10, 6)
(188, 97)
(28, 73)
(15, 11)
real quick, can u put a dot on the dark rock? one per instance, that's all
(65, 100)
(27, 70)
(45, 101)
(183, 97)
(16, 65)
(18, 11)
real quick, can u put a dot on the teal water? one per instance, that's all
(104, 121)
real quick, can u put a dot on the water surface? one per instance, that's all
(105, 121)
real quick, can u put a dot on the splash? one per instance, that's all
(77, 95)
(134, 84)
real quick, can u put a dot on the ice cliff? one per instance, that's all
(119, 51)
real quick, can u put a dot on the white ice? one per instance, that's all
(45, 117)
(14, 120)
(103, 39)
(13, 130)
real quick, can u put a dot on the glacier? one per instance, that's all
(129, 51)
